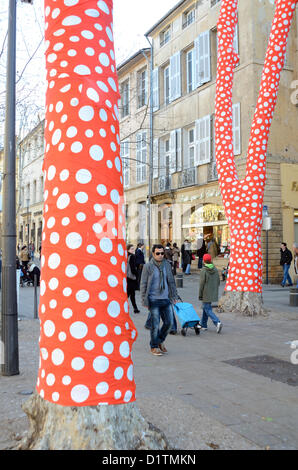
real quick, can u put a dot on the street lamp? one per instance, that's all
(9, 311)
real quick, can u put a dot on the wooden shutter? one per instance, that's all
(203, 140)
(155, 158)
(236, 129)
(202, 59)
(173, 157)
(175, 76)
(155, 88)
(179, 149)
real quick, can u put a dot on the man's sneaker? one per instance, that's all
(156, 352)
(219, 327)
(204, 329)
(163, 348)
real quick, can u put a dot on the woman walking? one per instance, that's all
(176, 255)
(132, 283)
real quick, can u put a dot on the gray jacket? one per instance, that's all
(146, 280)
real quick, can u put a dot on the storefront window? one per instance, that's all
(209, 220)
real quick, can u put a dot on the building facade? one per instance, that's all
(186, 199)
(31, 198)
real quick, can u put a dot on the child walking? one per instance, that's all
(208, 292)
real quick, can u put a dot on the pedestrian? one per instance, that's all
(176, 256)
(158, 292)
(213, 248)
(140, 260)
(208, 292)
(132, 282)
(285, 261)
(169, 254)
(295, 251)
(186, 257)
(34, 271)
(201, 250)
(24, 256)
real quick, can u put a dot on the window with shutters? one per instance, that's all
(141, 157)
(155, 88)
(124, 154)
(191, 148)
(142, 88)
(203, 140)
(166, 85)
(236, 129)
(190, 71)
(202, 59)
(125, 98)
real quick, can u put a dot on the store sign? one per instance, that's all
(202, 195)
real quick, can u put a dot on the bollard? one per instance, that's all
(35, 297)
(294, 297)
(179, 280)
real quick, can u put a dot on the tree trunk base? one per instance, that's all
(248, 304)
(113, 427)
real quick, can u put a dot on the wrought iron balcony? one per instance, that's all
(188, 177)
(164, 183)
(212, 172)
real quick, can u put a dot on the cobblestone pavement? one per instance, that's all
(196, 398)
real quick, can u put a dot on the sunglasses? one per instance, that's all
(159, 253)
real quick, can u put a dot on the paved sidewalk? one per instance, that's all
(196, 398)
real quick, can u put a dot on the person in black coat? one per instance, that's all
(285, 261)
(140, 260)
(132, 280)
(34, 271)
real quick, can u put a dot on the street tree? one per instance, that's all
(243, 198)
(85, 393)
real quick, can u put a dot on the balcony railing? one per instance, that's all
(188, 177)
(164, 183)
(212, 172)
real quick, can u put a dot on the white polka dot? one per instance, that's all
(49, 328)
(80, 393)
(81, 197)
(53, 283)
(118, 374)
(78, 330)
(130, 373)
(108, 347)
(78, 363)
(112, 281)
(57, 357)
(86, 113)
(124, 349)
(50, 380)
(71, 21)
(91, 273)
(128, 396)
(96, 153)
(83, 176)
(101, 364)
(63, 201)
(103, 296)
(101, 330)
(66, 380)
(82, 296)
(51, 173)
(89, 345)
(90, 312)
(54, 261)
(114, 309)
(104, 59)
(76, 147)
(73, 240)
(102, 388)
(67, 313)
(71, 132)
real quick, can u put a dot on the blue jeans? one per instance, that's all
(286, 277)
(208, 313)
(160, 309)
(174, 325)
(187, 271)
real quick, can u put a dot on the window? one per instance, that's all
(214, 2)
(165, 36)
(190, 70)
(191, 148)
(141, 157)
(155, 88)
(202, 59)
(175, 151)
(41, 188)
(34, 195)
(188, 18)
(167, 85)
(124, 154)
(125, 99)
(142, 88)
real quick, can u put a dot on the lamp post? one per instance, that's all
(267, 224)
(9, 312)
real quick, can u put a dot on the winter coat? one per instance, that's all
(168, 253)
(209, 284)
(186, 257)
(132, 284)
(202, 250)
(140, 259)
(24, 255)
(147, 278)
(285, 257)
(176, 254)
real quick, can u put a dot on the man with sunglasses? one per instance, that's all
(158, 292)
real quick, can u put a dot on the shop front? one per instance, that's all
(209, 220)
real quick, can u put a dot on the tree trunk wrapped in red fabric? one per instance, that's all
(243, 199)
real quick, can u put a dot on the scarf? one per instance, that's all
(160, 267)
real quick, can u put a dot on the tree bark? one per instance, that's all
(114, 427)
(248, 304)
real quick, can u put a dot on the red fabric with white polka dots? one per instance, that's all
(243, 199)
(86, 332)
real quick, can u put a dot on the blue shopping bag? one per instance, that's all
(187, 315)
